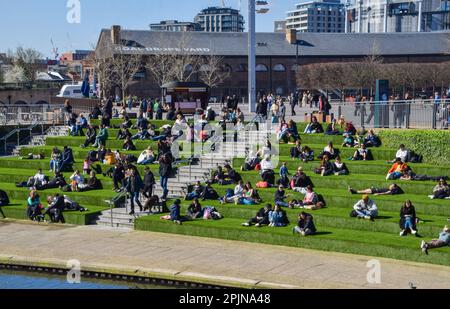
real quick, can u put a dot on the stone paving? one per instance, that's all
(224, 262)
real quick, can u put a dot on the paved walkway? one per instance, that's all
(226, 262)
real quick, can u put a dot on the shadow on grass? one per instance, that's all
(323, 233)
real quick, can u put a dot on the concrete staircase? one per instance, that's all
(39, 140)
(201, 171)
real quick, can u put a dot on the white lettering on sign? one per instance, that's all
(163, 49)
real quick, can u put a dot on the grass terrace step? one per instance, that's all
(327, 239)
(17, 210)
(377, 167)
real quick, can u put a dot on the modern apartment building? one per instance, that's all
(317, 16)
(218, 19)
(174, 25)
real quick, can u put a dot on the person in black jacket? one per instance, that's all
(128, 145)
(301, 181)
(123, 133)
(58, 181)
(4, 199)
(209, 193)
(296, 151)
(261, 218)
(118, 176)
(408, 219)
(107, 113)
(133, 187)
(339, 167)
(326, 168)
(305, 226)
(195, 210)
(149, 182)
(91, 133)
(165, 170)
(67, 158)
(55, 209)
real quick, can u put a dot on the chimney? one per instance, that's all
(115, 34)
(291, 36)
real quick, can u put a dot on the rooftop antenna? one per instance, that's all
(223, 3)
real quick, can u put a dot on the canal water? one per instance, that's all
(28, 280)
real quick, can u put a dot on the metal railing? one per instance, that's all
(17, 132)
(411, 114)
(29, 114)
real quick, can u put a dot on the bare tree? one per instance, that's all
(185, 64)
(27, 59)
(123, 68)
(212, 71)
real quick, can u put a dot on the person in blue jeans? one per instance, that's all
(277, 217)
(408, 219)
(165, 170)
(280, 196)
(134, 185)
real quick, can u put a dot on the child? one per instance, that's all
(86, 166)
(284, 176)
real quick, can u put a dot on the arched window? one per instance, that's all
(261, 68)
(279, 68)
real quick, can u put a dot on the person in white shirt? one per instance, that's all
(39, 176)
(402, 153)
(37, 180)
(266, 164)
(365, 209)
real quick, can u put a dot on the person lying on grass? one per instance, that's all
(278, 217)
(392, 190)
(410, 175)
(261, 218)
(408, 219)
(30, 156)
(365, 209)
(441, 190)
(311, 201)
(305, 225)
(442, 241)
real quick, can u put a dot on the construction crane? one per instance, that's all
(223, 3)
(55, 49)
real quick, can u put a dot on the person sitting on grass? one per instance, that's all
(397, 170)
(209, 193)
(93, 183)
(195, 192)
(175, 211)
(123, 133)
(339, 167)
(301, 181)
(76, 180)
(128, 145)
(332, 128)
(37, 181)
(311, 201)
(442, 241)
(102, 137)
(278, 217)
(251, 161)
(231, 177)
(249, 197)
(350, 129)
(349, 141)
(402, 153)
(372, 140)
(329, 151)
(55, 209)
(231, 195)
(362, 154)
(267, 173)
(326, 168)
(392, 190)
(441, 190)
(365, 209)
(126, 124)
(408, 219)
(34, 207)
(194, 210)
(313, 127)
(305, 225)
(280, 196)
(297, 150)
(58, 181)
(307, 154)
(146, 157)
(142, 135)
(261, 218)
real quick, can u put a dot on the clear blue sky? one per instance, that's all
(31, 23)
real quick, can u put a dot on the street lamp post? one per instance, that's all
(252, 49)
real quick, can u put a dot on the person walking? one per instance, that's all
(133, 187)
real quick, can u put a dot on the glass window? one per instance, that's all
(279, 68)
(261, 68)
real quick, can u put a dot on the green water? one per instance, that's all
(26, 280)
